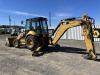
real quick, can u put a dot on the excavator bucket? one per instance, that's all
(9, 41)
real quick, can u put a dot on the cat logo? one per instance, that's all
(96, 33)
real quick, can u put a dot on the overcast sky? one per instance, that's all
(21, 9)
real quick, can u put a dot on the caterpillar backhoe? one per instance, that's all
(36, 34)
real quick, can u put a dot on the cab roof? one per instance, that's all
(37, 18)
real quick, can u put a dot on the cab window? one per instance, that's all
(27, 26)
(44, 26)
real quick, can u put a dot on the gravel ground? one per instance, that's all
(66, 60)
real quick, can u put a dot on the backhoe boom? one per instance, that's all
(64, 26)
(86, 24)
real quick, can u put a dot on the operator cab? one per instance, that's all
(38, 24)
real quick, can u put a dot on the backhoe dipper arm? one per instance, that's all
(88, 37)
(87, 33)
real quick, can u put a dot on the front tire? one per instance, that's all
(16, 43)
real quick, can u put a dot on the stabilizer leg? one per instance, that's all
(36, 52)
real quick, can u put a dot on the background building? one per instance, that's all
(75, 33)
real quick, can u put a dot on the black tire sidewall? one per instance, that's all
(33, 38)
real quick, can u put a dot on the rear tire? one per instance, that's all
(32, 42)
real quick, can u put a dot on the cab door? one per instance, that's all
(44, 30)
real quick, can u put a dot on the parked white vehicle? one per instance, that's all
(14, 32)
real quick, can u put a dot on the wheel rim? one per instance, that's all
(30, 43)
(15, 43)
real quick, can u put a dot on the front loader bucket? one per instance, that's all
(9, 41)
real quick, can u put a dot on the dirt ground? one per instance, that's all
(66, 60)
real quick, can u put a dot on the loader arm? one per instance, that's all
(86, 24)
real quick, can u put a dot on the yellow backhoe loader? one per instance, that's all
(36, 34)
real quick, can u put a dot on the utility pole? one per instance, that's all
(50, 19)
(9, 20)
(14, 23)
